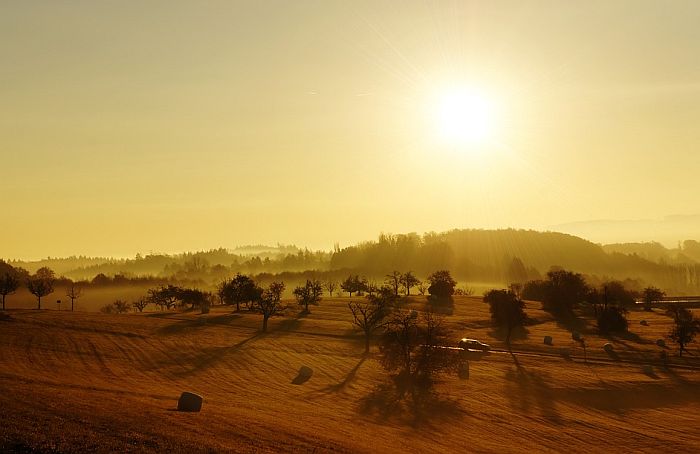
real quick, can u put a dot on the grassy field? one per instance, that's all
(94, 382)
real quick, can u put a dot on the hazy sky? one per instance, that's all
(170, 126)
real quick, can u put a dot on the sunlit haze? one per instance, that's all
(177, 126)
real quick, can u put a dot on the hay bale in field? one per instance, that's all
(548, 340)
(660, 343)
(575, 335)
(303, 376)
(189, 402)
(644, 322)
(608, 347)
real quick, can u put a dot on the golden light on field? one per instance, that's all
(464, 116)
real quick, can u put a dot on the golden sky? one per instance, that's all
(167, 126)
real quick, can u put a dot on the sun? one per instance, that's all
(464, 117)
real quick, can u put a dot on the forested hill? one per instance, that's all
(509, 255)
(506, 255)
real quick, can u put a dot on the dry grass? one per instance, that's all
(94, 382)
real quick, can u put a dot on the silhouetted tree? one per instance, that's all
(409, 280)
(73, 292)
(559, 292)
(507, 310)
(612, 318)
(369, 316)
(268, 302)
(41, 283)
(614, 292)
(240, 289)
(354, 284)
(140, 304)
(685, 327)
(309, 293)
(330, 285)
(192, 296)
(442, 285)
(650, 295)
(9, 283)
(393, 280)
(422, 287)
(412, 347)
(165, 296)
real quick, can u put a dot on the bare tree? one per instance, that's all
(368, 317)
(330, 285)
(9, 283)
(393, 280)
(140, 304)
(422, 287)
(41, 283)
(73, 292)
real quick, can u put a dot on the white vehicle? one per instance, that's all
(473, 344)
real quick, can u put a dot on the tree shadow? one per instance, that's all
(349, 377)
(571, 322)
(528, 390)
(186, 365)
(182, 325)
(424, 408)
(501, 333)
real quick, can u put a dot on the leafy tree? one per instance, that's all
(41, 283)
(194, 297)
(330, 285)
(393, 280)
(268, 302)
(650, 295)
(442, 285)
(412, 349)
(409, 280)
(614, 292)
(507, 310)
(352, 284)
(612, 319)
(165, 296)
(9, 283)
(73, 292)
(309, 293)
(685, 327)
(240, 289)
(559, 292)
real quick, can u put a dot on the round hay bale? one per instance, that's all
(189, 402)
(305, 373)
(548, 340)
(660, 343)
(575, 335)
(644, 322)
(608, 347)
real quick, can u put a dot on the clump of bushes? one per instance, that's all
(117, 307)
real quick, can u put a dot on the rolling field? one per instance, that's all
(95, 382)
